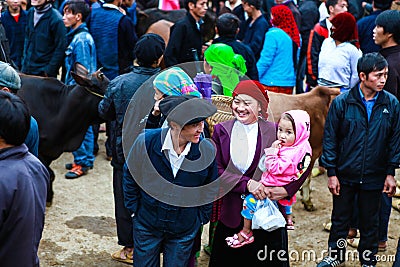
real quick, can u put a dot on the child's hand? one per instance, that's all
(276, 144)
(156, 110)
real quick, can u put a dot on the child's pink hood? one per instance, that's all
(301, 145)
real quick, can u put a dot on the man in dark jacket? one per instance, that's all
(14, 20)
(23, 187)
(148, 51)
(366, 25)
(361, 149)
(165, 187)
(45, 41)
(185, 42)
(252, 31)
(227, 28)
(114, 36)
(387, 36)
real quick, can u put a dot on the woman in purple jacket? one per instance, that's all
(239, 144)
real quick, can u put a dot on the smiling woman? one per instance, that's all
(239, 143)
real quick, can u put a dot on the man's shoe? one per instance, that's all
(329, 262)
(76, 172)
(70, 166)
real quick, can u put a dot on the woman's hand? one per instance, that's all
(276, 193)
(257, 189)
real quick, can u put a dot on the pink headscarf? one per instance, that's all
(301, 145)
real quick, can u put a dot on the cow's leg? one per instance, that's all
(50, 192)
(305, 193)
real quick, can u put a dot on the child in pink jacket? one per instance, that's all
(285, 161)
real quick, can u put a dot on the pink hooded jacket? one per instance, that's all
(286, 164)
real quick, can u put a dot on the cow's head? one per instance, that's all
(96, 83)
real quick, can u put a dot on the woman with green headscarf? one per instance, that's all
(171, 82)
(224, 64)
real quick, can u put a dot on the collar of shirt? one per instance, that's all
(198, 23)
(373, 100)
(369, 104)
(238, 3)
(329, 26)
(111, 6)
(175, 159)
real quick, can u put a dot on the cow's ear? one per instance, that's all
(81, 80)
(81, 70)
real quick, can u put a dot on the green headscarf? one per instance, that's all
(175, 81)
(226, 65)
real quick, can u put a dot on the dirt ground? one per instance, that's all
(80, 226)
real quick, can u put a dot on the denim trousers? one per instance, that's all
(84, 154)
(149, 243)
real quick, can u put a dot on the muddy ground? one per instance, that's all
(80, 226)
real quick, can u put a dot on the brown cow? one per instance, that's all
(316, 103)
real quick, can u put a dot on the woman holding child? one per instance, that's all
(240, 143)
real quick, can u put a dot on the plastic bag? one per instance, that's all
(267, 216)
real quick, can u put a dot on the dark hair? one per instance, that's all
(256, 3)
(329, 3)
(289, 117)
(382, 4)
(189, 1)
(371, 62)
(78, 6)
(389, 20)
(227, 24)
(14, 119)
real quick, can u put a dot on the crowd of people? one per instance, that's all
(172, 173)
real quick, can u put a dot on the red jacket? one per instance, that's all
(317, 36)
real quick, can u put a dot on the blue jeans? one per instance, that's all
(84, 154)
(149, 243)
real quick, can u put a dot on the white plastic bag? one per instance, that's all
(267, 216)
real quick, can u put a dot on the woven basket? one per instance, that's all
(224, 111)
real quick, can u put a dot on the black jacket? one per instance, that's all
(120, 102)
(392, 55)
(184, 39)
(45, 44)
(23, 188)
(357, 150)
